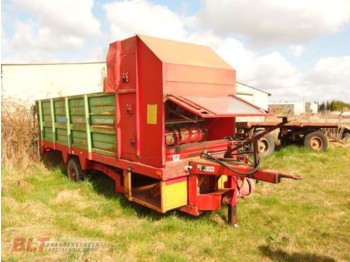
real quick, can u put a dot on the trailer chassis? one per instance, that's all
(236, 167)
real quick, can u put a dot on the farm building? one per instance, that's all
(255, 96)
(294, 109)
(29, 82)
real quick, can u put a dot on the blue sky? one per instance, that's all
(293, 49)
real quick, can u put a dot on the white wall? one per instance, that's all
(299, 108)
(254, 96)
(314, 108)
(258, 97)
(31, 82)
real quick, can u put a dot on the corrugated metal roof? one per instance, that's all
(174, 52)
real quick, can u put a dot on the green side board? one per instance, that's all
(85, 122)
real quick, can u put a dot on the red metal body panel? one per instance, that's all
(210, 201)
(133, 69)
(112, 68)
(176, 180)
(152, 131)
(143, 71)
(188, 80)
(126, 100)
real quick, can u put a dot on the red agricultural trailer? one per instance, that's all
(162, 129)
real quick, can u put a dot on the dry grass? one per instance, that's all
(306, 220)
(19, 134)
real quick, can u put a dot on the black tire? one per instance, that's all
(316, 141)
(74, 171)
(266, 144)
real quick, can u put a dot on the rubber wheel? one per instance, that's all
(266, 144)
(74, 171)
(316, 141)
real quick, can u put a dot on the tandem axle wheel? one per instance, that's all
(74, 171)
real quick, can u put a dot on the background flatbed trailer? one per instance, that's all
(313, 135)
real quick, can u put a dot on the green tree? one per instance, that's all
(334, 105)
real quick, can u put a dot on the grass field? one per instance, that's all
(306, 220)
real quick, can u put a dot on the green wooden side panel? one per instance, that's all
(61, 132)
(59, 103)
(46, 120)
(105, 146)
(78, 135)
(77, 122)
(97, 137)
(80, 119)
(47, 124)
(77, 111)
(80, 143)
(79, 139)
(68, 126)
(102, 110)
(60, 120)
(60, 125)
(47, 116)
(60, 111)
(102, 120)
(40, 118)
(80, 146)
(46, 105)
(47, 134)
(101, 100)
(53, 120)
(103, 130)
(103, 152)
(62, 142)
(79, 127)
(46, 113)
(77, 119)
(76, 102)
(88, 123)
(61, 136)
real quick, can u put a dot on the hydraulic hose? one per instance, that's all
(246, 174)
